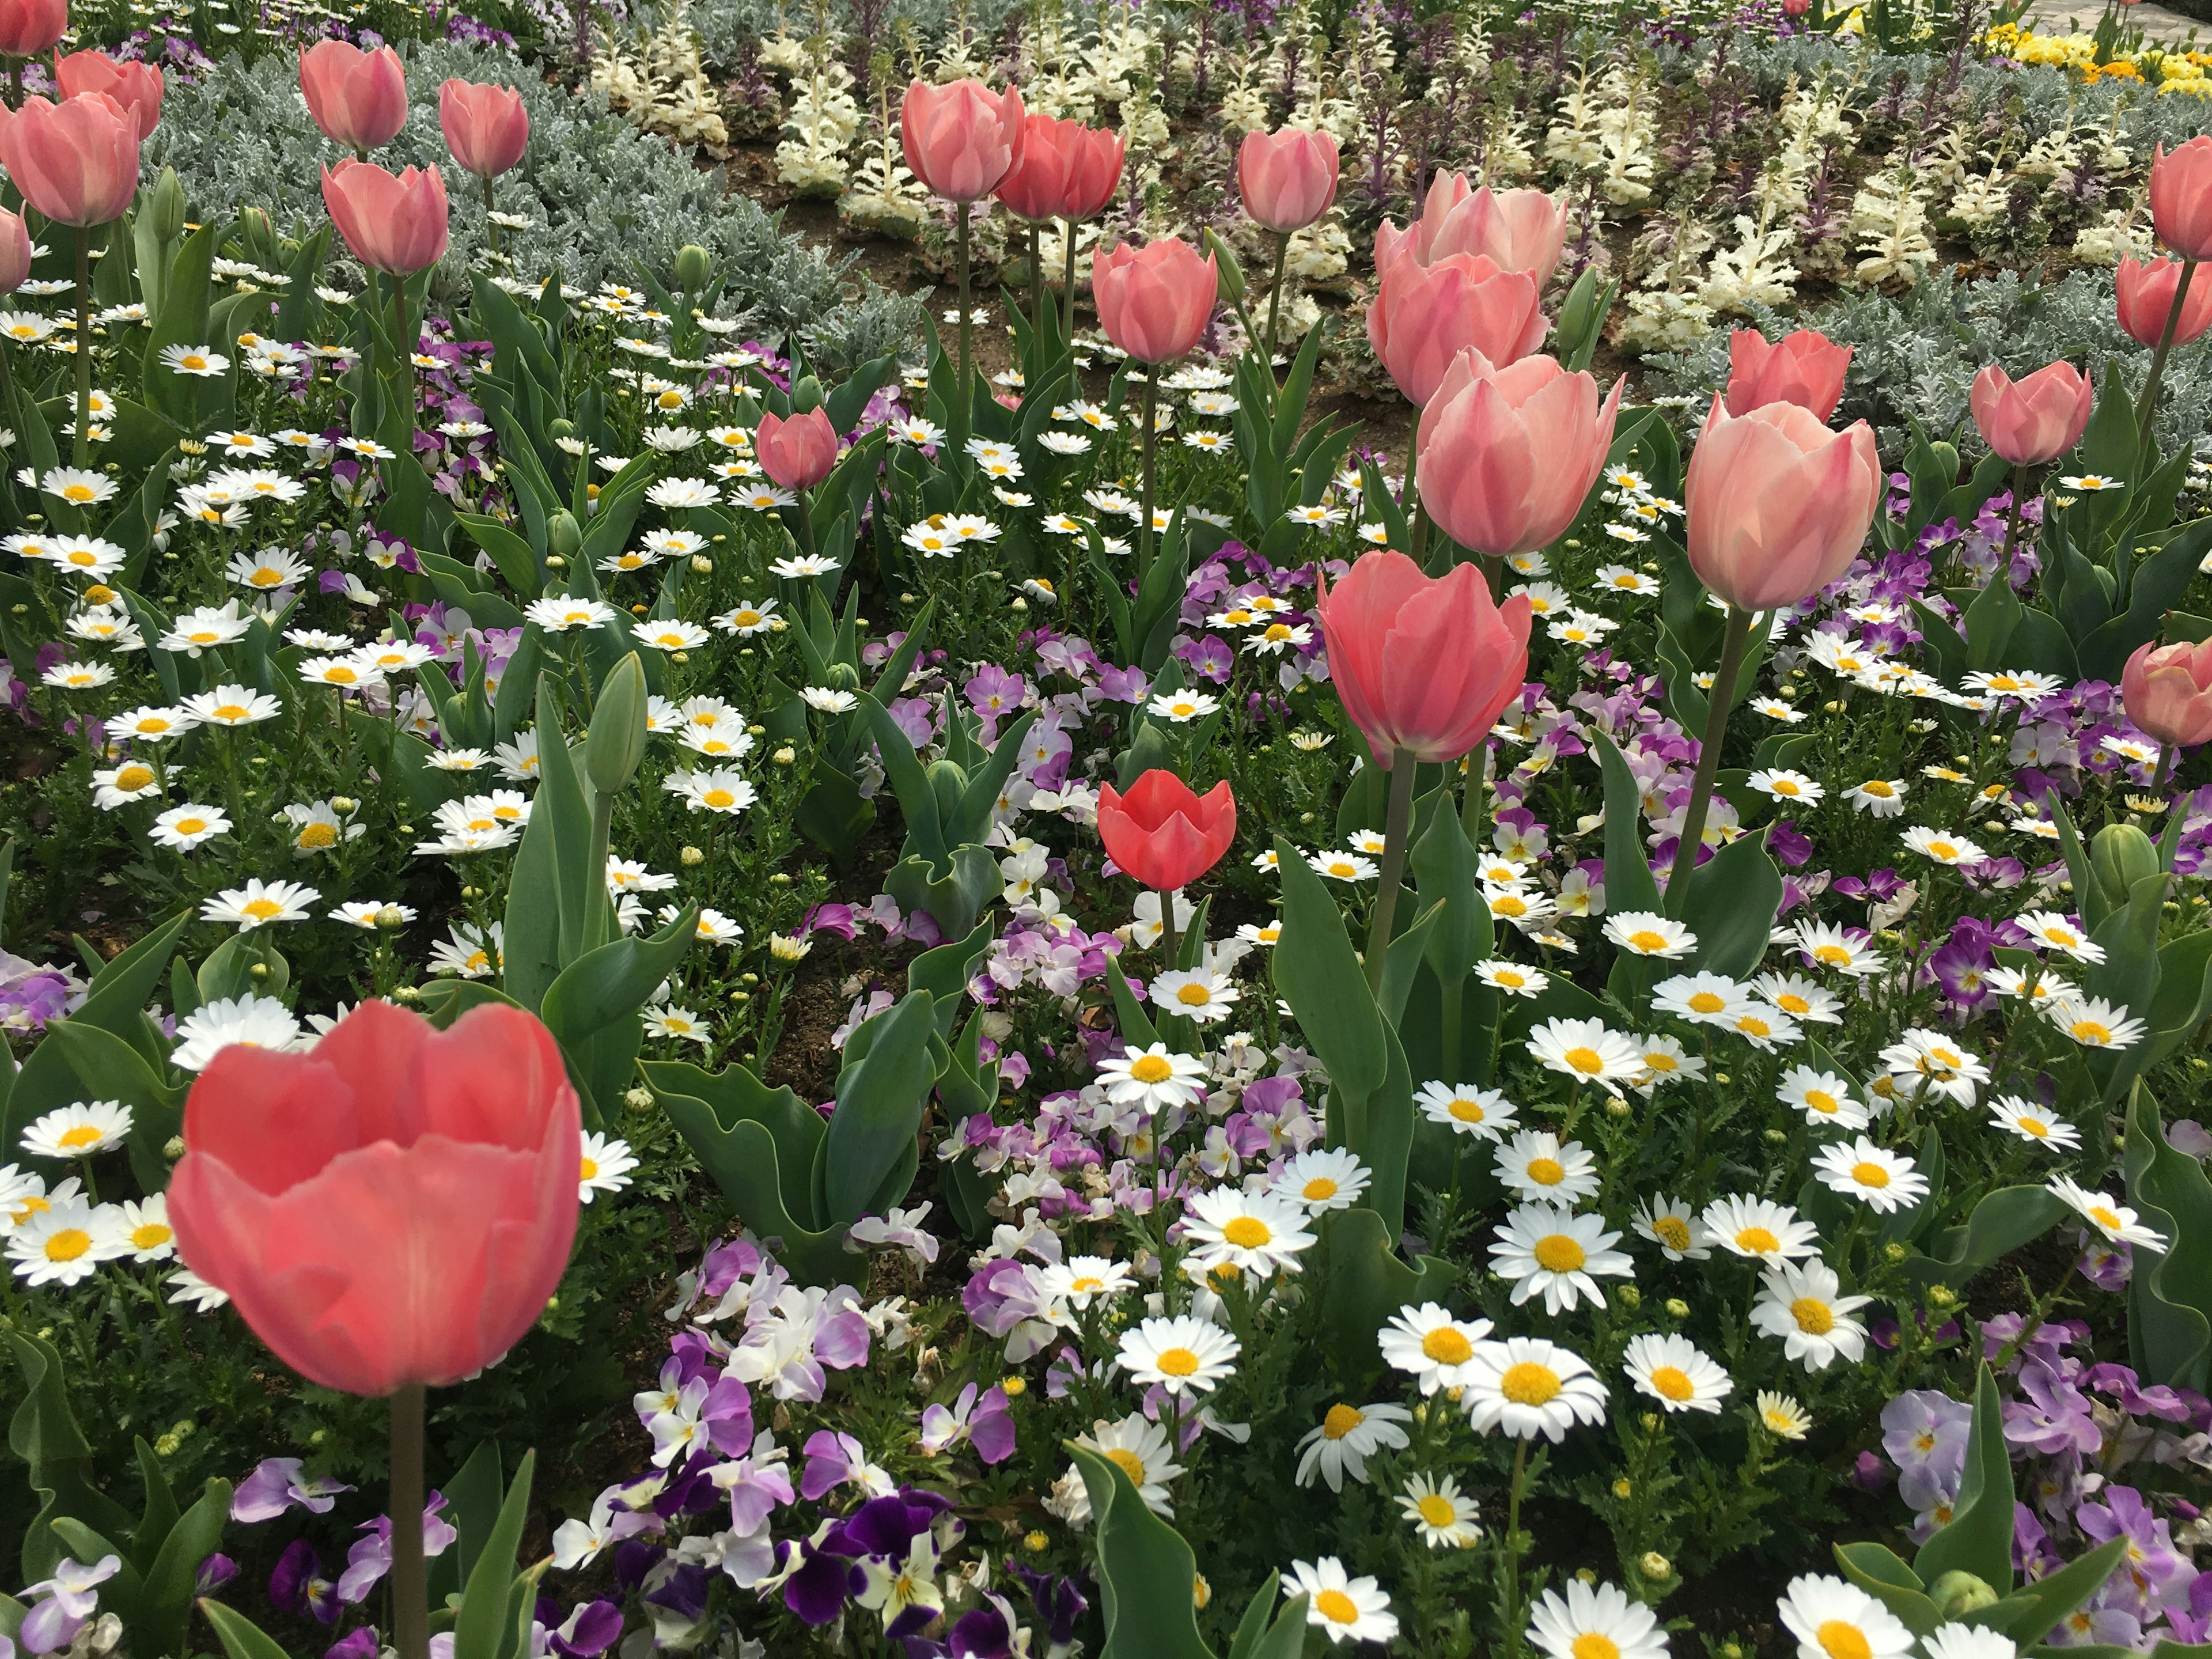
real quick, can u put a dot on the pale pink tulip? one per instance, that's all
(1508, 456)
(396, 225)
(486, 127)
(359, 99)
(1067, 170)
(137, 86)
(1286, 179)
(1778, 506)
(1154, 301)
(1804, 369)
(1423, 316)
(2167, 689)
(2144, 295)
(1515, 229)
(2181, 197)
(962, 139)
(798, 452)
(31, 28)
(2033, 420)
(15, 252)
(76, 161)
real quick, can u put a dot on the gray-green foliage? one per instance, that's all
(604, 198)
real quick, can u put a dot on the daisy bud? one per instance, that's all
(1677, 1308)
(785, 756)
(391, 916)
(343, 803)
(407, 995)
(701, 565)
(639, 1100)
(691, 855)
(1655, 1566)
(174, 1148)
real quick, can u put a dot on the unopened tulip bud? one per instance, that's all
(164, 208)
(564, 535)
(2122, 855)
(617, 743)
(1228, 271)
(693, 265)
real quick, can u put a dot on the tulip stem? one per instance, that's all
(2165, 768)
(962, 399)
(15, 84)
(1036, 294)
(1070, 295)
(1709, 759)
(410, 1599)
(1397, 830)
(1409, 500)
(1275, 300)
(2012, 522)
(1150, 450)
(2148, 411)
(1169, 954)
(84, 345)
(491, 226)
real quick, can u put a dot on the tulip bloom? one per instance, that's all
(1066, 170)
(486, 127)
(1804, 369)
(2181, 197)
(1423, 316)
(1154, 301)
(1522, 230)
(137, 86)
(1777, 505)
(1287, 179)
(962, 139)
(359, 99)
(1423, 665)
(31, 28)
(1507, 456)
(1164, 833)
(76, 161)
(396, 225)
(15, 251)
(2033, 420)
(2145, 298)
(391, 1207)
(796, 454)
(2167, 689)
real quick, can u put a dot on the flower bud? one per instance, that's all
(2122, 855)
(166, 207)
(564, 535)
(1959, 1593)
(693, 265)
(617, 743)
(1228, 273)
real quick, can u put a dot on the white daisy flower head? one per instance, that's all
(1845, 951)
(1080, 1280)
(258, 903)
(2047, 930)
(1781, 1416)
(1824, 1098)
(1932, 1059)
(1153, 1078)
(1881, 798)
(1702, 999)
(1258, 1233)
(1665, 1061)
(1139, 1448)
(1835, 1619)
(83, 1129)
(1800, 998)
(1884, 1181)
(1323, 1178)
(1803, 1304)
(1442, 1517)
(62, 1244)
(1543, 1249)
(2093, 1023)
(1349, 1609)
(1669, 1223)
(1646, 933)
(607, 1163)
(1198, 995)
(2034, 1123)
(1526, 1385)
(1676, 1373)
(1535, 1164)
(259, 1022)
(1431, 1346)
(1510, 978)
(141, 1228)
(1587, 1051)
(1968, 1642)
(1345, 1438)
(1942, 846)
(2118, 1222)
(1784, 785)
(186, 826)
(1595, 1621)
(1483, 1113)
(1760, 1229)
(1178, 1353)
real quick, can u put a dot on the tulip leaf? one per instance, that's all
(1147, 1576)
(2001, 1221)
(1318, 973)
(882, 1092)
(744, 1160)
(1732, 899)
(2170, 1296)
(473, 1497)
(241, 1636)
(1365, 1283)
(111, 1069)
(1881, 1575)
(1259, 1639)
(1977, 1539)
(600, 986)
(160, 1511)
(166, 1604)
(2038, 1607)
(1445, 865)
(481, 1626)
(1629, 882)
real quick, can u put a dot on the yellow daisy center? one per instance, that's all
(1248, 1232)
(1832, 956)
(134, 777)
(68, 1244)
(1674, 1231)
(1557, 1252)
(1648, 939)
(1529, 1384)
(1194, 996)
(1128, 1463)
(1337, 1608)
(84, 1134)
(1756, 1241)
(1319, 1190)
(261, 908)
(1341, 1420)
(1151, 1068)
(1447, 1346)
(1813, 1315)
(1437, 1511)
(1841, 1639)
(2105, 1217)
(190, 826)
(1178, 1362)
(719, 798)
(590, 1169)
(1673, 1382)
(1546, 1171)
(1867, 1173)
(1586, 1061)
(1465, 1110)
(1591, 1645)
(2034, 1126)
(1707, 1002)
(149, 1236)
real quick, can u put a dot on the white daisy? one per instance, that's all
(2032, 1122)
(2115, 1220)
(1544, 1249)
(1885, 1180)
(1485, 1112)
(1676, 1373)
(1801, 1303)
(84, 1129)
(1528, 1386)
(1349, 1609)
(1431, 1346)
(1833, 1620)
(1344, 1440)
(1178, 1353)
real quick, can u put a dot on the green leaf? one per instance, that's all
(1889, 1581)
(160, 1511)
(768, 1184)
(601, 986)
(1731, 906)
(167, 1604)
(481, 1624)
(1629, 882)
(1444, 865)
(1318, 973)
(43, 1434)
(1365, 1283)
(881, 1096)
(2170, 1296)
(473, 1499)
(943, 971)
(1257, 1638)
(241, 1636)
(2001, 1221)
(1979, 1538)
(2045, 1602)
(1147, 1576)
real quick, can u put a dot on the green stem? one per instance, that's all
(1150, 450)
(1275, 301)
(1396, 832)
(960, 383)
(83, 447)
(1168, 951)
(2149, 410)
(410, 1598)
(491, 229)
(7, 405)
(1070, 295)
(2165, 768)
(2012, 520)
(1709, 759)
(1037, 289)
(1509, 1557)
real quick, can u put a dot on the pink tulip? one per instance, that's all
(2033, 420)
(1777, 505)
(486, 127)
(1520, 230)
(1287, 179)
(390, 1207)
(2167, 689)
(1507, 456)
(1421, 665)
(32, 28)
(76, 161)
(799, 453)
(137, 86)
(1423, 316)
(15, 251)
(962, 139)
(2181, 197)
(1067, 170)
(1804, 369)
(359, 99)
(2144, 295)
(396, 225)
(1154, 301)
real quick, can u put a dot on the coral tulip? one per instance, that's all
(76, 161)
(31, 28)
(390, 1207)
(2181, 197)
(396, 224)
(962, 139)
(2144, 294)
(2167, 689)
(1523, 230)
(1067, 170)
(1423, 316)
(359, 99)
(1422, 665)
(1777, 505)
(1164, 833)
(486, 127)
(2033, 420)
(796, 454)
(15, 251)
(137, 86)
(1287, 179)
(1805, 368)
(1154, 301)
(1507, 456)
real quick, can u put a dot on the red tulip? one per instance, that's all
(2033, 420)
(1804, 368)
(1777, 505)
(2144, 295)
(1067, 170)
(796, 454)
(486, 127)
(1796, 7)
(32, 28)
(2181, 197)
(1423, 316)
(76, 161)
(1287, 179)
(1520, 230)
(398, 225)
(137, 86)
(359, 99)
(1508, 455)
(2167, 689)
(1423, 665)
(1154, 301)
(1163, 832)
(962, 139)
(390, 1207)
(15, 251)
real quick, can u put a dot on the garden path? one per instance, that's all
(2157, 23)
